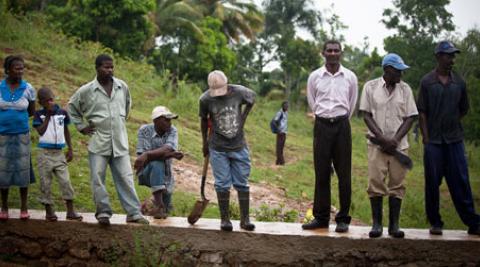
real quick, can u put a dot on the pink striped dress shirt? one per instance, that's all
(332, 95)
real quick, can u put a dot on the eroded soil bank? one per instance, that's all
(38, 243)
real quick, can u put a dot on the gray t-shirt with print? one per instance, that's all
(225, 113)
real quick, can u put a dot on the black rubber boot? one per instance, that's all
(223, 205)
(377, 213)
(244, 202)
(394, 215)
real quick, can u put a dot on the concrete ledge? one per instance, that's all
(173, 241)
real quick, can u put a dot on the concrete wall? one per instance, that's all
(40, 243)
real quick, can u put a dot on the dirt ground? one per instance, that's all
(188, 178)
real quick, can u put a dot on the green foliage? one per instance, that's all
(298, 58)
(282, 17)
(271, 84)
(172, 15)
(419, 18)
(22, 6)
(3, 6)
(121, 25)
(188, 57)
(147, 250)
(237, 17)
(267, 214)
(247, 70)
(365, 66)
(467, 66)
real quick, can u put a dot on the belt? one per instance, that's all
(331, 120)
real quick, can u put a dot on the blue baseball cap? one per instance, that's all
(446, 47)
(395, 61)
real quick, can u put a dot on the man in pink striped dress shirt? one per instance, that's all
(332, 94)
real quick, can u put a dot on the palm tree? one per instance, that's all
(173, 15)
(238, 17)
(282, 17)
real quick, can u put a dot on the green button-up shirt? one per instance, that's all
(91, 104)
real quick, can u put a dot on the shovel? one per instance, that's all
(200, 205)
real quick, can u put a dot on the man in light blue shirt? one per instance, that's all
(100, 109)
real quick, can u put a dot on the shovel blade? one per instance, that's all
(197, 211)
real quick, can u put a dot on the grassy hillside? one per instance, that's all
(64, 64)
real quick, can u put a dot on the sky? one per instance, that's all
(363, 18)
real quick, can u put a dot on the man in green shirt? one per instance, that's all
(99, 109)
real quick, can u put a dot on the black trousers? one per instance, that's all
(332, 143)
(281, 137)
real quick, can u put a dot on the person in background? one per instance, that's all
(442, 103)
(332, 94)
(100, 109)
(51, 123)
(156, 148)
(229, 156)
(281, 120)
(389, 111)
(17, 104)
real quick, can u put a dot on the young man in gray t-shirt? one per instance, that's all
(229, 156)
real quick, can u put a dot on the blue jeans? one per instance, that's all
(153, 176)
(230, 168)
(122, 178)
(449, 161)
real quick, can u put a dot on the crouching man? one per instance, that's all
(156, 147)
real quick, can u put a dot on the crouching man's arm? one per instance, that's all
(162, 153)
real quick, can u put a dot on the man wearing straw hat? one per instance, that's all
(227, 106)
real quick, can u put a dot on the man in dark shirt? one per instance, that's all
(227, 106)
(442, 102)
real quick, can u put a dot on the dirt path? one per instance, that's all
(187, 178)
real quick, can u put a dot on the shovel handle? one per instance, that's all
(204, 177)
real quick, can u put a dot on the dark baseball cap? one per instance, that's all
(446, 47)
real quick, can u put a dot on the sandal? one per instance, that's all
(51, 218)
(75, 217)
(3, 215)
(24, 215)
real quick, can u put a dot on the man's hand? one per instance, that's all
(389, 145)
(140, 162)
(49, 113)
(177, 155)
(69, 155)
(50, 107)
(89, 130)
